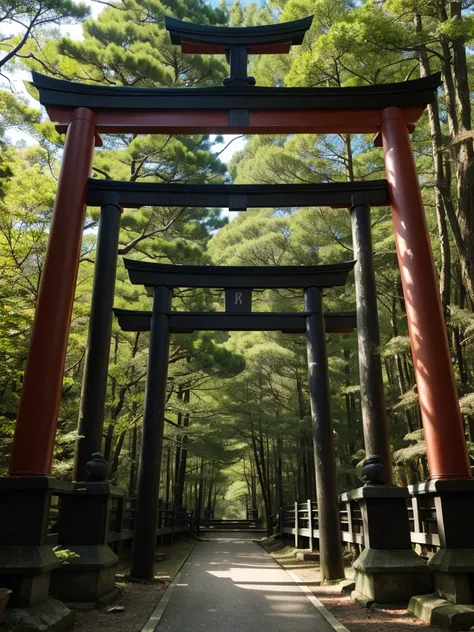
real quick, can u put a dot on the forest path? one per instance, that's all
(231, 584)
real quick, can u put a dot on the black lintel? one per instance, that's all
(256, 38)
(187, 322)
(256, 277)
(71, 95)
(237, 196)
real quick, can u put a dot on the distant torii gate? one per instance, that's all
(238, 283)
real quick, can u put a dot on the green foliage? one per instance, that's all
(65, 555)
(237, 404)
(30, 16)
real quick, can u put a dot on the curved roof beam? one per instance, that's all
(237, 197)
(237, 109)
(150, 274)
(237, 43)
(259, 40)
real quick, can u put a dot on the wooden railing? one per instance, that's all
(231, 525)
(171, 519)
(301, 521)
(121, 518)
(53, 517)
(423, 522)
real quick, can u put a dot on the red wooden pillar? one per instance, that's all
(35, 429)
(442, 422)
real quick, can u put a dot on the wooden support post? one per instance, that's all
(297, 526)
(35, 429)
(310, 523)
(416, 514)
(350, 524)
(173, 521)
(146, 517)
(330, 547)
(442, 422)
(374, 417)
(94, 385)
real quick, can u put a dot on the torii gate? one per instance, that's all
(389, 111)
(238, 283)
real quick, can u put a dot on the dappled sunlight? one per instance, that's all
(293, 615)
(241, 575)
(241, 589)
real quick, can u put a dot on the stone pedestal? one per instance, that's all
(453, 564)
(388, 570)
(84, 530)
(27, 558)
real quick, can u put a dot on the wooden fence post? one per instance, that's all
(173, 521)
(416, 515)
(297, 526)
(310, 523)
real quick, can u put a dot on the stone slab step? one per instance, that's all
(446, 615)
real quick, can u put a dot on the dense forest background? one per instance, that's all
(238, 430)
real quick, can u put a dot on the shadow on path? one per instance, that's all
(230, 584)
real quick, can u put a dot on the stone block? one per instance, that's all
(307, 556)
(361, 599)
(441, 612)
(49, 616)
(88, 578)
(390, 576)
(453, 570)
(394, 560)
(18, 558)
(453, 586)
(26, 570)
(453, 561)
(346, 586)
(83, 586)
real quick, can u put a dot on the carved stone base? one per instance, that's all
(454, 575)
(391, 575)
(26, 570)
(88, 578)
(441, 612)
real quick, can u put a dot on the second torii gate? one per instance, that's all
(238, 283)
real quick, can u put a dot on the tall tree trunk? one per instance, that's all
(259, 457)
(133, 461)
(201, 490)
(209, 491)
(116, 457)
(279, 472)
(400, 370)
(168, 475)
(179, 438)
(442, 197)
(183, 453)
(348, 397)
(459, 117)
(253, 485)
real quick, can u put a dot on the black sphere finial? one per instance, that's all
(373, 471)
(97, 469)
